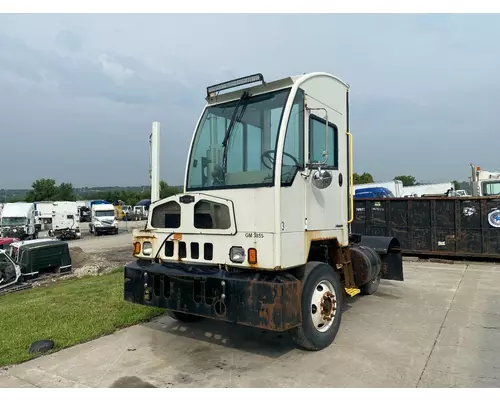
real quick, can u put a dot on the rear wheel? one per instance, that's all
(321, 307)
(181, 317)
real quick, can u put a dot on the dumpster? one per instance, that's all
(466, 227)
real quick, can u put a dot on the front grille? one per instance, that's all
(181, 250)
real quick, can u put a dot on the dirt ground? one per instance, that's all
(97, 263)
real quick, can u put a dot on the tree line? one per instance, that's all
(408, 180)
(47, 190)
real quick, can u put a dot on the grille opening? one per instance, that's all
(197, 291)
(156, 285)
(211, 215)
(208, 251)
(195, 250)
(169, 249)
(167, 215)
(182, 250)
(166, 287)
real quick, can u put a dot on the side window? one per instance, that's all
(491, 189)
(317, 142)
(294, 141)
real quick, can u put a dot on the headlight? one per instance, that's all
(147, 248)
(237, 254)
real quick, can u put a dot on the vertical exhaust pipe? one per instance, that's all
(154, 172)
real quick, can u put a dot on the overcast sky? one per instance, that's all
(78, 93)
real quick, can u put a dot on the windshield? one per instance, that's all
(250, 146)
(105, 213)
(491, 188)
(14, 221)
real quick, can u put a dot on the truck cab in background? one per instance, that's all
(65, 220)
(18, 221)
(103, 219)
(484, 183)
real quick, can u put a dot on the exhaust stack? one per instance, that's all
(154, 172)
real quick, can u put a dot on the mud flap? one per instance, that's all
(389, 250)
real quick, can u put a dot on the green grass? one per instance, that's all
(67, 312)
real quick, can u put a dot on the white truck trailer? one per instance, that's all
(18, 221)
(432, 189)
(261, 235)
(103, 219)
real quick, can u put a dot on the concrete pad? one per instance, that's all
(439, 328)
(9, 381)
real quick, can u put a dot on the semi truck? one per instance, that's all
(260, 235)
(103, 219)
(18, 221)
(65, 221)
(484, 183)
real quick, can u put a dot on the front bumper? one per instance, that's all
(268, 301)
(109, 228)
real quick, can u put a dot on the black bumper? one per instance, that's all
(105, 228)
(263, 300)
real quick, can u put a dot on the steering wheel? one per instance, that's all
(267, 155)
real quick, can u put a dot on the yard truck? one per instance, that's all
(260, 235)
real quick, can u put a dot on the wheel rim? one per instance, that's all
(323, 306)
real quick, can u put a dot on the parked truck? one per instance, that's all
(484, 183)
(103, 219)
(18, 221)
(43, 215)
(261, 234)
(395, 187)
(65, 221)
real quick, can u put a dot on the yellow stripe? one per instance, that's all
(351, 179)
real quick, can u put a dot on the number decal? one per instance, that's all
(254, 235)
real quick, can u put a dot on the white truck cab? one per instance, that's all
(18, 221)
(484, 183)
(103, 219)
(261, 234)
(65, 220)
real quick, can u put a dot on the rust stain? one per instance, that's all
(177, 236)
(144, 237)
(315, 236)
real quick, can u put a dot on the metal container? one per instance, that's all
(467, 227)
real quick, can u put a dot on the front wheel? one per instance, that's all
(321, 307)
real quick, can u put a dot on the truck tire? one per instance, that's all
(181, 317)
(321, 294)
(370, 287)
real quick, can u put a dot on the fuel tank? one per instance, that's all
(366, 264)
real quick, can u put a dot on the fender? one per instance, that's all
(389, 250)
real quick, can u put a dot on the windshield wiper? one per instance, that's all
(244, 96)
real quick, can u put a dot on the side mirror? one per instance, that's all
(321, 178)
